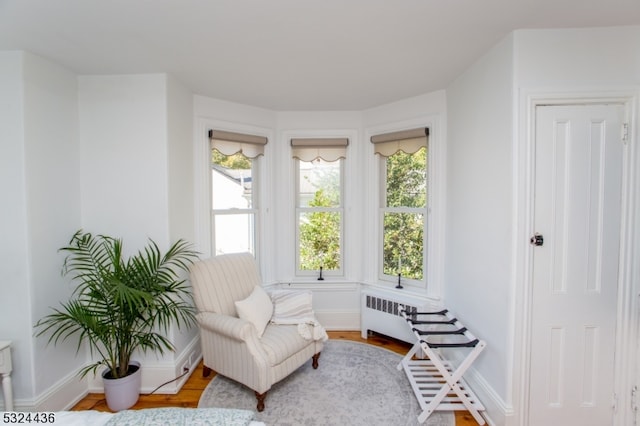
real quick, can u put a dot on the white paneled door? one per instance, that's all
(577, 220)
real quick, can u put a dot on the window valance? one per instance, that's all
(229, 143)
(328, 149)
(408, 141)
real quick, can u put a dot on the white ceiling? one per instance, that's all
(289, 54)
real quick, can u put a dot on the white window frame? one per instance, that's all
(432, 287)
(202, 187)
(300, 210)
(254, 210)
(382, 188)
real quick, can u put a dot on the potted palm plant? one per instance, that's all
(121, 305)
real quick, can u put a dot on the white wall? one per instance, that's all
(181, 207)
(14, 266)
(123, 134)
(53, 198)
(180, 160)
(42, 198)
(426, 105)
(578, 59)
(480, 198)
(137, 178)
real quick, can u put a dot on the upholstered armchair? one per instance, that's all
(238, 339)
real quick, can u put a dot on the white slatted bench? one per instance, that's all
(438, 384)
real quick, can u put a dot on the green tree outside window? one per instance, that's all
(403, 219)
(320, 217)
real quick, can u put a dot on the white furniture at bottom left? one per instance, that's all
(5, 374)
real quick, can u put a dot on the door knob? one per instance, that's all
(537, 240)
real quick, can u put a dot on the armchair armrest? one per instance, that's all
(226, 325)
(226, 342)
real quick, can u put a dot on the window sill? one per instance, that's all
(409, 290)
(326, 284)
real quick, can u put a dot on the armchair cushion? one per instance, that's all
(257, 309)
(282, 341)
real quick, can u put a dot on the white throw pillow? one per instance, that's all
(257, 309)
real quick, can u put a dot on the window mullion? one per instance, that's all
(404, 210)
(319, 209)
(233, 211)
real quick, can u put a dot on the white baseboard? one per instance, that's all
(190, 357)
(62, 396)
(497, 411)
(71, 389)
(339, 320)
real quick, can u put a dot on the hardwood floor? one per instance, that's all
(190, 393)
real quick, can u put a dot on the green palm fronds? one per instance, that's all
(121, 304)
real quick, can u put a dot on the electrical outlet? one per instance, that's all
(185, 367)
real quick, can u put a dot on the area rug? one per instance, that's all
(355, 384)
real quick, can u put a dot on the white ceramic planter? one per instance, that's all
(123, 393)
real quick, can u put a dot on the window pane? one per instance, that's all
(407, 179)
(403, 244)
(319, 184)
(319, 241)
(231, 181)
(233, 233)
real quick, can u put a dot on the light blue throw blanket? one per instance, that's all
(182, 416)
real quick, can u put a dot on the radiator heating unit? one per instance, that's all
(380, 313)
